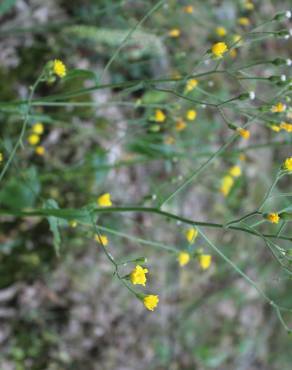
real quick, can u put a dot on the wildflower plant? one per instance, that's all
(165, 156)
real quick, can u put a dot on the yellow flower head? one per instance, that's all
(278, 108)
(235, 171)
(221, 31)
(40, 150)
(219, 49)
(226, 185)
(286, 126)
(191, 235)
(59, 68)
(150, 302)
(205, 261)
(175, 32)
(73, 224)
(189, 9)
(101, 239)
(273, 218)
(183, 258)
(1, 157)
(249, 5)
(180, 125)
(104, 200)
(233, 53)
(275, 128)
(243, 21)
(33, 139)
(159, 116)
(38, 128)
(288, 164)
(191, 85)
(138, 275)
(191, 115)
(245, 134)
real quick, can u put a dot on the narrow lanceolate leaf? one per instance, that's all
(54, 225)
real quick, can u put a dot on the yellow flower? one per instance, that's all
(101, 239)
(278, 108)
(159, 116)
(249, 5)
(188, 9)
(275, 128)
(73, 223)
(183, 258)
(242, 157)
(150, 302)
(169, 140)
(226, 185)
(243, 133)
(104, 200)
(180, 125)
(235, 171)
(40, 150)
(191, 115)
(138, 275)
(286, 126)
(191, 85)
(191, 234)
(244, 21)
(33, 139)
(221, 31)
(288, 164)
(233, 53)
(219, 49)
(1, 157)
(205, 261)
(38, 128)
(175, 32)
(59, 68)
(273, 218)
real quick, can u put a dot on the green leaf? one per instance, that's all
(54, 223)
(6, 5)
(80, 73)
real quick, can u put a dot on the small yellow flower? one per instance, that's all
(1, 157)
(278, 108)
(191, 115)
(242, 157)
(189, 9)
(205, 261)
(104, 200)
(101, 239)
(288, 164)
(175, 32)
(191, 85)
(226, 185)
(233, 53)
(183, 258)
(180, 125)
(40, 150)
(33, 139)
(286, 126)
(38, 128)
(191, 234)
(273, 218)
(150, 302)
(221, 31)
(138, 275)
(245, 134)
(275, 128)
(243, 21)
(159, 116)
(73, 223)
(169, 140)
(249, 5)
(219, 49)
(59, 68)
(235, 171)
